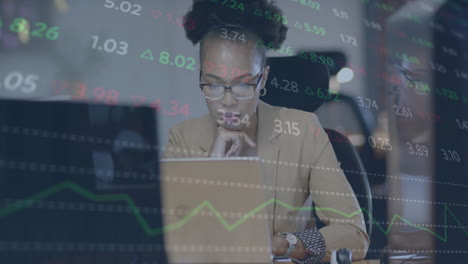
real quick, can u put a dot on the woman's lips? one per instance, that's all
(230, 116)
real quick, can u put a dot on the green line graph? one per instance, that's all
(68, 185)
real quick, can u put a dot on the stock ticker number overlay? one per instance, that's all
(165, 58)
(37, 29)
(156, 14)
(110, 45)
(18, 82)
(235, 120)
(287, 127)
(309, 3)
(303, 55)
(232, 35)
(124, 7)
(80, 91)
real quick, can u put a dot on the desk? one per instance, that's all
(356, 262)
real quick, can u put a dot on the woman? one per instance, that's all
(297, 164)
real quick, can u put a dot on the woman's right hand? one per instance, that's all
(229, 143)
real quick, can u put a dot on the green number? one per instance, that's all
(303, 55)
(164, 57)
(313, 57)
(18, 25)
(258, 12)
(271, 46)
(1, 24)
(241, 6)
(297, 25)
(260, 44)
(52, 33)
(320, 94)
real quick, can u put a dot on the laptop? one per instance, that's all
(215, 211)
(79, 184)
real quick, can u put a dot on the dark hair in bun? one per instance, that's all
(206, 15)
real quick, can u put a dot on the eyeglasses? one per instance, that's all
(240, 91)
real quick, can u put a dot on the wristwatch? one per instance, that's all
(292, 240)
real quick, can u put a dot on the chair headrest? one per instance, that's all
(296, 82)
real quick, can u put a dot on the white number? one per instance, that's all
(462, 124)
(8, 81)
(95, 41)
(137, 10)
(112, 43)
(111, 4)
(16, 80)
(245, 120)
(451, 155)
(235, 34)
(224, 35)
(242, 38)
(274, 82)
(125, 7)
(236, 121)
(385, 145)
(295, 129)
(421, 150)
(340, 14)
(278, 127)
(30, 84)
(369, 103)
(294, 87)
(292, 127)
(124, 48)
(123, 4)
(221, 118)
(349, 40)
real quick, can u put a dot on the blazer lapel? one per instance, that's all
(268, 151)
(208, 128)
(268, 141)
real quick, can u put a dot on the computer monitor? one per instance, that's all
(79, 183)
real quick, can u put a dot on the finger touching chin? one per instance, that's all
(230, 126)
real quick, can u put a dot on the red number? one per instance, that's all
(138, 100)
(55, 86)
(208, 66)
(180, 24)
(156, 105)
(79, 91)
(246, 78)
(99, 94)
(223, 70)
(395, 80)
(112, 97)
(156, 13)
(174, 108)
(235, 72)
(184, 110)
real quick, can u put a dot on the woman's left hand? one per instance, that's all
(279, 245)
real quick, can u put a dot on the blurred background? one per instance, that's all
(398, 75)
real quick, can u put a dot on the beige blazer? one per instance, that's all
(297, 167)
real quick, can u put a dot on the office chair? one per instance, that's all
(297, 82)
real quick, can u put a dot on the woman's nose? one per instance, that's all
(228, 99)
